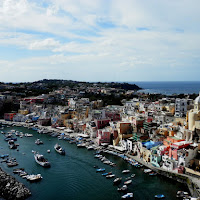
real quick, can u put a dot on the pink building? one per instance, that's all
(113, 116)
(173, 150)
(103, 136)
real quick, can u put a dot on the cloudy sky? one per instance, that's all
(100, 40)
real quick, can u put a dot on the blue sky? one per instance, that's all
(100, 40)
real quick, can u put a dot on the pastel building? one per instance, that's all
(103, 136)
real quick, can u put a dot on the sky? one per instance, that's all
(99, 40)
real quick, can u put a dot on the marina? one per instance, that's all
(74, 175)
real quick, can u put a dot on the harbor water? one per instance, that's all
(74, 177)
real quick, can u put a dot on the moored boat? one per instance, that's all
(123, 188)
(127, 196)
(125, 171)
(128, 182)
(33, 177)
(59, 149)
(110, 176)
(117, 181)
(39, 158)
(159, 196)
(100, 170)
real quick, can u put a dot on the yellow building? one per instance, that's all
(23, 112)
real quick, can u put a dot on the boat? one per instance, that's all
(123, 188)
(152, 173)
(100, 170)
(132, 175)
(117, 181)
(106, 173)
(181, 194)
(59, 149)
(33, 177)
(127, 196)
(125, 171)
(147, 170)
(110, 176)
(159, 196)
(38, 141)
(128, 182)
(17, 171)
(28, 135)
(48, 151)
(12, 163)
(39, 158)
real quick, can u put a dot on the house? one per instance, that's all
(103, 136)
(9, 116)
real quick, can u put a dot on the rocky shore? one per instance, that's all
(11, 189)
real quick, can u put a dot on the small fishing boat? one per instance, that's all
(38, 141)
(123, 188)
(159, 196)
(132, 175)
(106, 173)
(110, 176)
(128, 182)
(117, 181)
(12, 163)
(127, 196)
(59, 149)
(17, 171)
(147, 170)
(48, 151)
(152, 173)
(125, 171)
(33, 177)
(100, 170)
(39, 158)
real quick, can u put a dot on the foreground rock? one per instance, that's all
(10, 188)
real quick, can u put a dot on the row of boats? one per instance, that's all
(29, 177)
(118, 180)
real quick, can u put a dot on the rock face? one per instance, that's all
(11, 189)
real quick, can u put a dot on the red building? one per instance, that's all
(103, 136)
(101, 123)
(9, 116)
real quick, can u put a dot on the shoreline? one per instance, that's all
(192, 183)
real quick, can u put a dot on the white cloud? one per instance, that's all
(92, 36)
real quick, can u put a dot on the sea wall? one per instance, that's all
(11, 189)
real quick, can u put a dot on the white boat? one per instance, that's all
(38, 141)
(110, 176)
(33, 177)
(147, 170)
(128, 182)
(123, 188)
(117, 181)
(125, 171)
(127, 196)
(59, 149)
(39, 158)
(48, 151)
(28, 135)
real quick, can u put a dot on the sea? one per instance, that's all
(73, 176)
(169, 87)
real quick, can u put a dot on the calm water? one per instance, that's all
(168, 88)
(73, 177)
